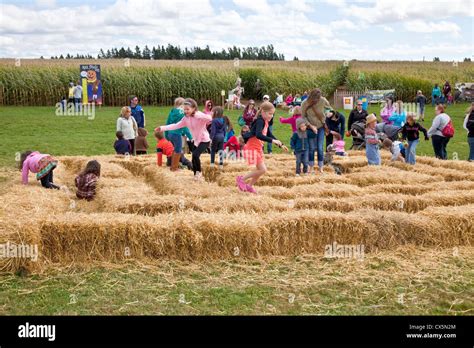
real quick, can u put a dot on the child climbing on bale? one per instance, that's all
(396, 148)
(86, 181)
(233, 146)
(163, 147)
(338, 144)
(42, 165)
(253, 149)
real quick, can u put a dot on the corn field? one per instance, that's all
(44, 82)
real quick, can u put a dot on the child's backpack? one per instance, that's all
(448, 130)
(241, 121)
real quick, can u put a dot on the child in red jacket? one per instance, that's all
(234, 144)
(163, 147)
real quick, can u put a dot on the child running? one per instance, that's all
(296, 114)
(299, 143)
(372, 141)
(411, 132)
(86, 182)
(197, 122)
(40, 164)
(218, 130)
(253, 149)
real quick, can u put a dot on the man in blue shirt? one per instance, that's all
(137, 112)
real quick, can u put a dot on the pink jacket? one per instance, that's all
(31, 164)
(339, 145)
(386, 113)
(196, 125)
(291, 120)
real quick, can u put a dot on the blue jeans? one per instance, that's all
(411, 151)
(270, 145)
(316, 144)
(470, 141)
(301, 158)
(373, 154)
(177, 142)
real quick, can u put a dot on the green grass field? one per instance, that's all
(38, 128)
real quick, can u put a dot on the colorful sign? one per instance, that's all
(348, 103)
(91, 84)
(365, 102)
(379, 96)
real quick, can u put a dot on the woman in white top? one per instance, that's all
(128, 126)
(438, 140)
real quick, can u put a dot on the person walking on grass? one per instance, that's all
(435, 95)
(86, 181)
(468, 125)
(253, 149)
(420, 103)
(176, 136)
(217, 135)
(440, 132)
(411, 133)
(313, 110)
(42, 165)
(197, 123)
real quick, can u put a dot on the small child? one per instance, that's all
(229, 129)
(218, 130)
(122, 146)
(40, 164)
(86, 182)
(339, 144)
(165, 147)
(299, 143)
(411, 133)
(234, 144)
(398, 116)
(253, 149)
(396, 148)
(296, 114)
(141, 144)
(372, 141)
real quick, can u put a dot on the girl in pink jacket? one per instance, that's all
(196, 122)
(40, 164)
(292, 120)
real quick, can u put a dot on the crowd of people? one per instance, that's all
(312, 119)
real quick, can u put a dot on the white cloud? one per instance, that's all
(420, 26)
(46, 3)
(28, 31)
(387, 11)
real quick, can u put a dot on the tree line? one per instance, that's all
(176, 52)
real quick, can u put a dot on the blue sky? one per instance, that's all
(309, 29)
